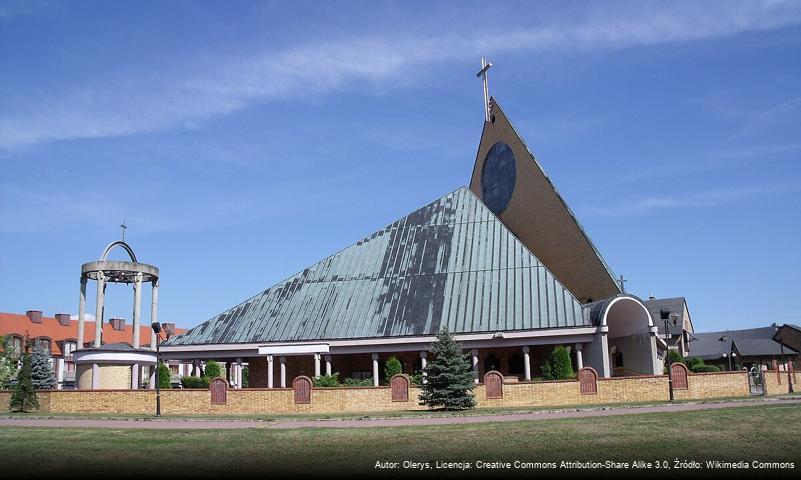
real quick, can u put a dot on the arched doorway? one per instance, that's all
(631, 337)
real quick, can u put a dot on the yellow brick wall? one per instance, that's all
(714, 385)
(559, 393)
(374, 399)
(777, 386)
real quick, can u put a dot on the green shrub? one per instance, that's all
(245, 377)
(356, 382)
(675, 357)
(416, 379)
(694, 363)
(164, 376)
(393, 367)
(706, 368)
(327, 380)
(558, 366)
(212, 370)
(195, 382)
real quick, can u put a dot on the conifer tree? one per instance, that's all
(392, 368)
(559, 365)
(212, 369)
(449, 374)
(42, 376)
(23, 398)
(165, 376)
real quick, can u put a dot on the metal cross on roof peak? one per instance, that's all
(123, 227)
(621, 281)
(485, 65)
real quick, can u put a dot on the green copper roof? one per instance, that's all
(452, 262)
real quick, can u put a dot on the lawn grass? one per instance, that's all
(763, 433)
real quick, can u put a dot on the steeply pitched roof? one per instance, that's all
(14, 324)
(712, 345)
(451, 263)
(675, 304)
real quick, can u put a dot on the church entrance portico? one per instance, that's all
(627, 340)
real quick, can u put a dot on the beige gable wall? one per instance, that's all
(539, 217)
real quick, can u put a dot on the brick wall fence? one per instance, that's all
(776, 382)
(375, 399)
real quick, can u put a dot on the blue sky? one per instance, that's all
(244, 141)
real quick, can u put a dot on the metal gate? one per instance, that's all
(756, 381)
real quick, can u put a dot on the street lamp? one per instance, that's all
(726, 355)
(784, 362)
(156, 326)
(672, 318)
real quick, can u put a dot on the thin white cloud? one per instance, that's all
(86, 316)
(711, 198)
(774, 112)
(212, 87)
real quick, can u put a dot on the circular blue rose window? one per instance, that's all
(498, 177)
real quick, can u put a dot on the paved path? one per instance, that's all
(386, 422)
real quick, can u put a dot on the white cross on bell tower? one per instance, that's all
(485, 65)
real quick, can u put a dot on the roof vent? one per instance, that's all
(117, 323)
(63, 319)
(34, 315)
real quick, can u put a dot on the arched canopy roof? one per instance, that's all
(121, 244)
(600, 308)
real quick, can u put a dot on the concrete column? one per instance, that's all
(282, 361)
(597, 353)
(269, 371)
(375, 369)
(328, 364)
(135, 376)
(238, 369)
(60, 373)
(154, 312)
(474, 353)
(579, 359)
(101, 293)
(81, 312)
(136, 310)
(95, 376)
(196, 368)
(152, 382)
(526, 364)
(423, 363)
(316, 364)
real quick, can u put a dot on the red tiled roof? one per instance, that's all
(15, 324)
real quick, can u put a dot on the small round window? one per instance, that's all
(498, 177)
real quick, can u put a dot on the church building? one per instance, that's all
(504, 264)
